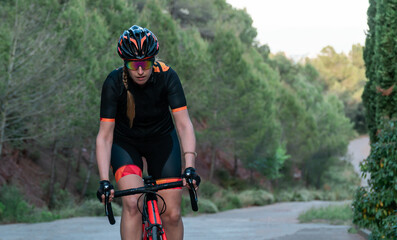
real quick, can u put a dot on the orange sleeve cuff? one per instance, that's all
(107, 119)
(179, 109)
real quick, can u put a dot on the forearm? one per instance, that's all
(188, 142)
(103, 150)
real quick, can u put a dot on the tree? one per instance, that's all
(28, 34)
(314, 128)
(344, 75)
(375, 206)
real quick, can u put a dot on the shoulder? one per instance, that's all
(114, 82)
(115, 74)
(164, 72)
(160, 67)
(114, 77)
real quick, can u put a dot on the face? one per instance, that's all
(140, 71)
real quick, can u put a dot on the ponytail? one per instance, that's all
(130, 98)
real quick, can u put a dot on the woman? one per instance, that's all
(138, 105)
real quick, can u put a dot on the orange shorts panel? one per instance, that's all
(127, 170)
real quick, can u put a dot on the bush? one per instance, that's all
(207, 206)
(93, 207)
(302, 195)
(285, 196)
(62, 198)
(14, 207)
(375, 207)
(334, 214)
(255, 198)
(227, 200)
(207, 189)
(227, 181)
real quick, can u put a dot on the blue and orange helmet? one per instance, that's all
(137, 43)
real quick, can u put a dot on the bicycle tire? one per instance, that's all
(155, 233)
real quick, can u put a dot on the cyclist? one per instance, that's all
(139, 102)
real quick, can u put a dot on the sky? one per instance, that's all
(303, 27)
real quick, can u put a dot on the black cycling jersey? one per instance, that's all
(153, 101)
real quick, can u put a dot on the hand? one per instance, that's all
(190, 175)
(105, 186)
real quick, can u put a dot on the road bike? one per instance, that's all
(152, 228)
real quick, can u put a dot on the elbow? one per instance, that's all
(185, 128)
(102, 140)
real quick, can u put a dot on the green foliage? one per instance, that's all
(228, 181)
(262, 109)
(341, 180)
(255, 197)
(208, 189)
(333, 214)
(93, 207)
(375, 207)
(344, 76)
(314, 128)
(14, 208)
(207, 206)
(302, 194)
(227, 200)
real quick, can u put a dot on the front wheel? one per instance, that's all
(156, 233)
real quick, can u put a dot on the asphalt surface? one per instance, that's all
(358, 150)
(275, 222)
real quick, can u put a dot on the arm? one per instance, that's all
(104, 143)
(186, 134)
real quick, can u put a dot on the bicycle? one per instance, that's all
(152, 228)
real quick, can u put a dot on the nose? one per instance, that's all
(140, 70)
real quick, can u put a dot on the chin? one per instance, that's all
(141, 81)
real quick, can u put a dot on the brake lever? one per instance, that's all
(108, 208)
(193, 195)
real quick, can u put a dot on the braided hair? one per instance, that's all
(130, 98)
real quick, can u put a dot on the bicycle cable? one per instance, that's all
(163, 209)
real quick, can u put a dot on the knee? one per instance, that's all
(130, 205)
(172, 216)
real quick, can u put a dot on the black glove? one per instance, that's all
(104, 186)
(190, 173)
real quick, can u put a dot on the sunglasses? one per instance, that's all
(134, 65)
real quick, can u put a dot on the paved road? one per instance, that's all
(358, 150)
(272, 222)
(275, 222)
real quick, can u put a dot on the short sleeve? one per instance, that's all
(176, 95)
(109, 97)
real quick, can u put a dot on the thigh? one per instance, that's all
(173, 200)
(130, 201)
(125, 160)
(164, 158)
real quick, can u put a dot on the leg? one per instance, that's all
(131, 219)
(172, 218)
(127, 169)
(164, 163)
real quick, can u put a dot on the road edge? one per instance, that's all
(365, 233)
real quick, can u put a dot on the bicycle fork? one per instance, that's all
(152, 225)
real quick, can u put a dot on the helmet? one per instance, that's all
(137, 43)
